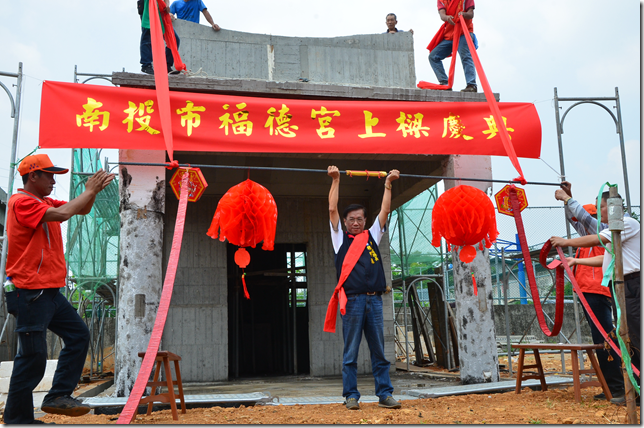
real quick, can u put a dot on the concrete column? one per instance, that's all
(142, 195)
(478, 357)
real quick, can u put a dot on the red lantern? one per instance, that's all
(464, 216)
(246, 215)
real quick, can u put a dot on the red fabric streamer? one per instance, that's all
(494, 107)
(172, 165)
(559, 284)
(339, 296)
(452, 9)
(129, 411)
(489, 96)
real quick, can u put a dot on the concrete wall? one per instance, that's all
(197, 324)
(366, 59)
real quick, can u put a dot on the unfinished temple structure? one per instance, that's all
(218, 333)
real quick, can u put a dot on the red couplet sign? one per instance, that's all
(503, 204)
(196, 183)
(92, 116)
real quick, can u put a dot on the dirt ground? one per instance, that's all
(555, 406)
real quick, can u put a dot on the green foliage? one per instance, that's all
(568, 289)
(536, 421)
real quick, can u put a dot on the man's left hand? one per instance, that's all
(558, 241)
(394, 174)
(216, 27)
(561, 195)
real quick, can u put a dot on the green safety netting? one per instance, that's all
(92, 249)
(410, 235)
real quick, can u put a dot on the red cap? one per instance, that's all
(39, 163)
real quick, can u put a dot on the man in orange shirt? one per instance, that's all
(36, 266)
(589, 278)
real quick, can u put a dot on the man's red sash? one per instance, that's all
(350, 259)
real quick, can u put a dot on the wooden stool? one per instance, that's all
(574, 349)
(164, 357)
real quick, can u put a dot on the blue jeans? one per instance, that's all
(364, 313)
(602, 308)
(39, 310)
(146, 49)
(443, 50)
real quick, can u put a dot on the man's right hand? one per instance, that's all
(333, 172)
(450, 19)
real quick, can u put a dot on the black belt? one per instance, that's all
(368, 293)
(631, 276)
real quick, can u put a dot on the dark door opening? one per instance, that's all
(268, 334)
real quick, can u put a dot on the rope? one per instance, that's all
(348, 172)
(13, 165)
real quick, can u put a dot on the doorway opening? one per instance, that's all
(268, 334)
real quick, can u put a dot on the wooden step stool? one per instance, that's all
(574, 357)
(164, 357)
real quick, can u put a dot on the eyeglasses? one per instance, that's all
(351, 220)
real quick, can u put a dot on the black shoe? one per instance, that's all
(37, 421)
(601, 396)
(621, 401)
(173, 72)
(469, 88)
(65, 405)
(147, 69)
(352, 404)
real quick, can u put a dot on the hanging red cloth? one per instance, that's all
(354, 252)
(159, 65)
(452, 9)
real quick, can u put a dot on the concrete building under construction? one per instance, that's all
(218, 333)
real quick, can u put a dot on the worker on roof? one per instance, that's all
(188, 10)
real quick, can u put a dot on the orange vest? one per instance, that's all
(449, 28)
(590, 278)
(35, 257)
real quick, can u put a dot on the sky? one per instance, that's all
(583, 48)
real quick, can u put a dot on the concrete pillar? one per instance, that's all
(142, 195)
(478, 357)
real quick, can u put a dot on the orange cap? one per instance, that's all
(591, 208)
(39, 163)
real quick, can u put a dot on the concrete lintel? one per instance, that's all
(294, 89)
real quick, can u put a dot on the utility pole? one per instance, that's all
(616, 226)
(15, 114)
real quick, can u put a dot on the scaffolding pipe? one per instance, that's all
(272, 168)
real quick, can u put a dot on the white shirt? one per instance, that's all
(336, 235)
(630, 246)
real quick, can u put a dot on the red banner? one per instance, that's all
(91, 116)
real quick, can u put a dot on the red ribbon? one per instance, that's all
(559, 284)
(489, 96)
(129, 411)
(160, 66)
(350, 259)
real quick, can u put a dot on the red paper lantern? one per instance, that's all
(464, 216)
(242, 258)
(246, 215)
